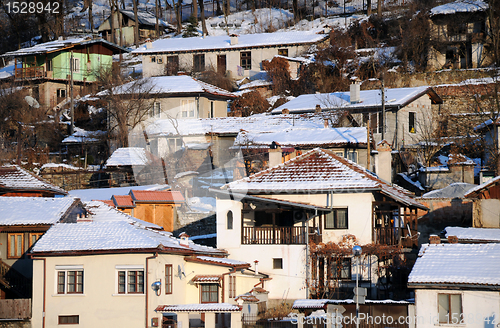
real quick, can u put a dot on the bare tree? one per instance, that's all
(203, 22)
(87, 4)
(136, 25)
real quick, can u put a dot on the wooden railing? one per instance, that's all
(14, 281)
(388, 235)
(274, 235)
(35, 72)
(16, 309)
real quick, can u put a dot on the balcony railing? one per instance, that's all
(36, 72)
(388, 235)
(274, 235)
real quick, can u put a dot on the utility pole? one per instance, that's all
(72, 105)
(383, 109)
(368, 150)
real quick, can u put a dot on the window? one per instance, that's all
(68, 320)
(283, 52)
(209, 293)
(411, 122)
(246, 59)
(76, 65)
(336, 219)
(188, 108)
(172, 65)
(131, 282)
(450, 308)
(159, 60)
(153, 59)
(352, 156)
(232, 286)
(211, 114)
(278, 263)
(380, 122)
(49, 65)
(230, 220)
(198, 63)
(70, 281)
(33, 237)
(61, 93)
(155, 111)
(168, 278)
(15, 245)
(341, 269)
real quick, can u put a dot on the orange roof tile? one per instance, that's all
(108, 202)
(122, 201)
(156, 196)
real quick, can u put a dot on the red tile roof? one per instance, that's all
(122, 201)
(108, 202)
(200, 279)
(156, 196)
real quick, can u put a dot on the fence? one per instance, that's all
(15, 309)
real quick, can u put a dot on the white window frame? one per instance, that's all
(127, 269)
(76, 65)
(155, 111)
(65, 269)
(188, 108)
(452, 318)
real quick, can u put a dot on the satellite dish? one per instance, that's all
(32, 101)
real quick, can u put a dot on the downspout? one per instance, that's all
(233, 270)
(146, 285)
(307, 253)
(44, 291)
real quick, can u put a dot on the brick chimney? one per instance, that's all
(285, 111)
(433, 239)
(317, 109)
(453, 239)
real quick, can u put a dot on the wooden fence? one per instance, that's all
(15, 309)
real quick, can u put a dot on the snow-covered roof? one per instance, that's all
(318, 170)
(15, 178)
(107, 193)
(57, 45)
(459, 7)
(474, 234)
(61, 166)
(475, 191)
(34, 210)
(258, 123)
(223, 42)
(457, 264)
(112, 235)
(369, 99)
(100, 211)
(320, 303)
(221, 260)
(128, 156)
(201, 279)
(144, 18)
(83, 136)
(182, 84)
(199, 307)
(454, 190)
(304, 137)
(255, 84)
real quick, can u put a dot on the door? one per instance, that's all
(221, 64)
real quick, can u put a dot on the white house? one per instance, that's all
(237, 56)
(408, 111)
(268, 217)
(457, 285)
(109, 271)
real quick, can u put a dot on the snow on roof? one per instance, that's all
(203, 307)
(111, 235)
(33, 210)
(459, 7)
(313, 137)
(60, 165)
(474, 191)
(259, 123)
(14, 177)
(221, 260)
(369, 99)
(200, 279)
(144, 18)
(57, 45)
(320, 303)
(474, 234)
(169, 85)
(255, 84)
(223, 42)
(82, 136)
(100, 211)
(107, 193)
(470, 264)
(318, 170)
(128, 156)
(454, 190)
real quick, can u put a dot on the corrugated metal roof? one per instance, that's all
(156, 196)
(206, 307)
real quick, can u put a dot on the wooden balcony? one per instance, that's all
(274, 236)
(26, 73)
(387, 235)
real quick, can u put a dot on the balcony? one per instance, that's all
(36, 72)
(274, 236)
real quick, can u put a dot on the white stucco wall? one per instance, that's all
(477, 306)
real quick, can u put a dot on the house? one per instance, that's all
(119, 273)
(459, 35)
(276, 216)
(147, 26)
(236, 56)
(473, 235)
(486, 204)
(158, 207)
(408, 111)
(457, 284)
(51, 66)
(23, 220)
(16, 181)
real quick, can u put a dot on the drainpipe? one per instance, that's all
(146, 285)
(44, 291)
(307, 253)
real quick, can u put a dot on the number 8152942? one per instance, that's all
(22, 7)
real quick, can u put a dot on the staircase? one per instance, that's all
(14, 282)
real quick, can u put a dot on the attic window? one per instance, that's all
(283, 52)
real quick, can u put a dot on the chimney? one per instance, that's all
(383, 161)
(234, 39)
(433, 239)
(355, 93)
(274, 155)
(453, 239)
(256, 267)
(325, 123)
(317, 109)
(184, 239)
(149, 44)
(285, 111)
